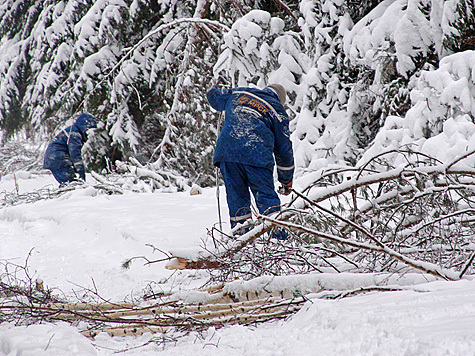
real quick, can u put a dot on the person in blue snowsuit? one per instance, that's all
(63, 155)
(255, 136)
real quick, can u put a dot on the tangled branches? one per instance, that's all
(16, 156)
(147, 178)
(25, 302)
(377, 218)
(20, 160)
(20, 293)
(130, 177)
(49, 192)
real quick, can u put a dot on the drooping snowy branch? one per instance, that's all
(416, 217)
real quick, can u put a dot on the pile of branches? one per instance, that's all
(25, 301)
(376, 218)
(131, 177)
(20, 293)
(50, 192)
(15, 156)
(174, 318)
(136, 176)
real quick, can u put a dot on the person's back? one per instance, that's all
(57, 153)
(256, 125)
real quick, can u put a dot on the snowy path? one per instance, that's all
(79, 237)
(81, 241)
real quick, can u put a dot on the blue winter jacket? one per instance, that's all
(255, 130)
(65, 149)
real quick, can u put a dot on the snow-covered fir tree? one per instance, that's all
(440, 121)
(135, 65)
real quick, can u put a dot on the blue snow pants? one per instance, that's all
(64, 174)
(238, 179)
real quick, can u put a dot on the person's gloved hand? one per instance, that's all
(80, 177)
(286, 189)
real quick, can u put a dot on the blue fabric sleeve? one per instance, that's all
(218, 98)
(284, 157)
(75, 146)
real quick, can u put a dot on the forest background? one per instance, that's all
(352, 69)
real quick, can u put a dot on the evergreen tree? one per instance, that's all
(16, 20)
(322, 131)
(97, 57)
(459, 34)
(387, 48)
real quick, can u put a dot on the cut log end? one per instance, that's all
(177, 263)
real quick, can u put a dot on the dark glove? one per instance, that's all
(286, 189)
(80, 176)
(80, 171)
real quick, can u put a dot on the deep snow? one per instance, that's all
(79, 241)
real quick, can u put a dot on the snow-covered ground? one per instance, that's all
(80, 240)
